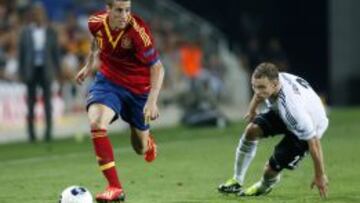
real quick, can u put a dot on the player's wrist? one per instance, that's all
(152, 100)
(319, 174)
(153, 96)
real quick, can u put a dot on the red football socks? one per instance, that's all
(105, 156)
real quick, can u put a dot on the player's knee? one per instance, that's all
(252, 132)
(267, 167)
(269, 171)
(95, 124)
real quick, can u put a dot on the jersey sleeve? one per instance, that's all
(144, 44)
(296, 118)
(94, 23)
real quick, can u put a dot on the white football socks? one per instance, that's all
(245, 152)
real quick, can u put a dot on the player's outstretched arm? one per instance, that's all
(87, 69)
(320, 179)
(151, 111)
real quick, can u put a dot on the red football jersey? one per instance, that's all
(126, 55)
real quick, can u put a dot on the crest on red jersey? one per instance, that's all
(126, 42)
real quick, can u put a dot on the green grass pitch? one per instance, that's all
(190, 166)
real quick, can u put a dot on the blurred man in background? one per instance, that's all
(39, 61)
(294, 109)
(127, 85)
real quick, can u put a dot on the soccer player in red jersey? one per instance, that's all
(127, 84)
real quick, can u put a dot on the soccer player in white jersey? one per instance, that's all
(293, 109)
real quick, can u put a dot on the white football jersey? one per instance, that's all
(300, 107)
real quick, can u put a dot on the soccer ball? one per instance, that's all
(75, 194)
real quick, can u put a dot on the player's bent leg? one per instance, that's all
(138, 141)
(100, 116)
(144, 143)
(265, 185)
(245, 152)
(253, 132)
(270, 178)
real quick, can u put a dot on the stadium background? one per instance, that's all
(217, 45)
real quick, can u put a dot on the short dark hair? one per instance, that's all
(111, 2)
(268, 70)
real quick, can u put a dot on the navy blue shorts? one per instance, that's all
(127, 105)
(290, 150)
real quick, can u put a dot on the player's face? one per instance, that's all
(263, 87)
(120, 13)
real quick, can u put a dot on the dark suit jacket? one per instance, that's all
(26, 54)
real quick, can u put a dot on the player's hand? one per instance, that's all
(249, 116)
(321, 183)
(83, 74)
(151, 111)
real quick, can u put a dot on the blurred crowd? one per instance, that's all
(256, 46)
(194, 70)
(197, 76)
(188, 66)
(73, 44)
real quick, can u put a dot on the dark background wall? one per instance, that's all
(301, 26)
(344, 57)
